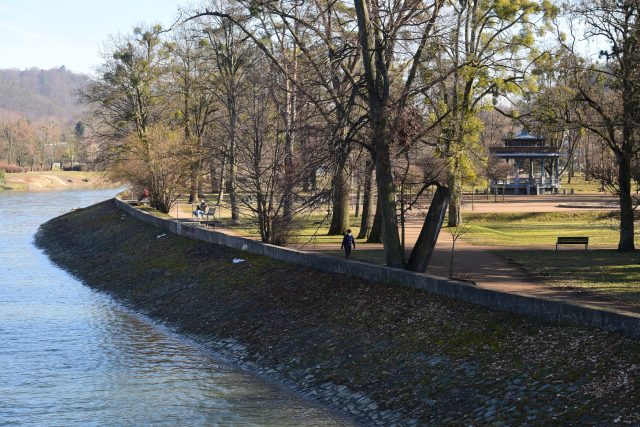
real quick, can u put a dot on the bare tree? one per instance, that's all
(609, 93)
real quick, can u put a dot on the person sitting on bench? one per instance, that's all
(202, 209)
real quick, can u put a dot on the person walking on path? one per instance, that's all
(348, 243)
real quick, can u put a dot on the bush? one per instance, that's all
(11, 168)
(2, 177)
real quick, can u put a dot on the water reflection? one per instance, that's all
(71, 356)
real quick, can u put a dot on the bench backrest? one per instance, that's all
(577, 240)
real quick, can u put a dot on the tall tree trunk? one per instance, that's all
(193, 188)
(314, 181)
(233, 120)
(375, 235)
(200, 188)
(386, 192)
(367, 203)
(291, 111)
(455, 205)
(288, 172)
(571, 171)
(358, 194)
(213, 179)
(221, 180)
(378, 94)
(627, 234)
(341, 193)
(423, 250)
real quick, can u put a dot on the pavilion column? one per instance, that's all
(516, 163)
(530, 171)
(557, 173)
(542, 172)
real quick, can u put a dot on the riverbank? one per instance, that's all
(30, 181)
(380, 353)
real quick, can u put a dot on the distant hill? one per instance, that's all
(36, 93)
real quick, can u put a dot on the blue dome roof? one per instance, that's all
(524, 134)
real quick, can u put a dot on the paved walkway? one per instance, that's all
(545, 203)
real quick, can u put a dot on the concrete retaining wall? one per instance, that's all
(540, 308)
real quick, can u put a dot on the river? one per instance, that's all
(72, 356)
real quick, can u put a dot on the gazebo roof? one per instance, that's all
(524, 139)
(524, 134)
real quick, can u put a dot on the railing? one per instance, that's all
(525, 181)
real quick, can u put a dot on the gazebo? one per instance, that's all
(531, 158)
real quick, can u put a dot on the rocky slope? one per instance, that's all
(381, 354)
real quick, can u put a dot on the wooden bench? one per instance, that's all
(573, 241)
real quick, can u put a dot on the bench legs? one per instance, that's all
(586, 245)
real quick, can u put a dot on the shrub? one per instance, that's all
(8, 168)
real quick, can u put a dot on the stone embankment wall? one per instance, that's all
(540, 308)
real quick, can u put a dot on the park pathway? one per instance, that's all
(479, 264)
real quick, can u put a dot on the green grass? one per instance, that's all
(312, 229)
(600, 272)
(152, 211)
(528, 239)
(580, 185)
(540, 228)
(374, 256)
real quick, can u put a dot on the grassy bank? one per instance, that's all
(434, 360)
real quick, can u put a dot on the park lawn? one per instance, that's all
(531, 240)
(581, 185)
(373, 256)
(310, 230)
(600, 272)
(540, 229)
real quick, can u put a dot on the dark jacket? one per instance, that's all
(348, 242)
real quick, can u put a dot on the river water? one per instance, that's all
(72, 356)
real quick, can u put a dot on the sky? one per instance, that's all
(54, 33)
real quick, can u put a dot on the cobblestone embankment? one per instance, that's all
(384, 355)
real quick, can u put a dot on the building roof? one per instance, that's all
(524, 134)
(523, 139)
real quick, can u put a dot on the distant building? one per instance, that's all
(535, 166)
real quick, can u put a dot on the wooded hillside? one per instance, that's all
(36, 93)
